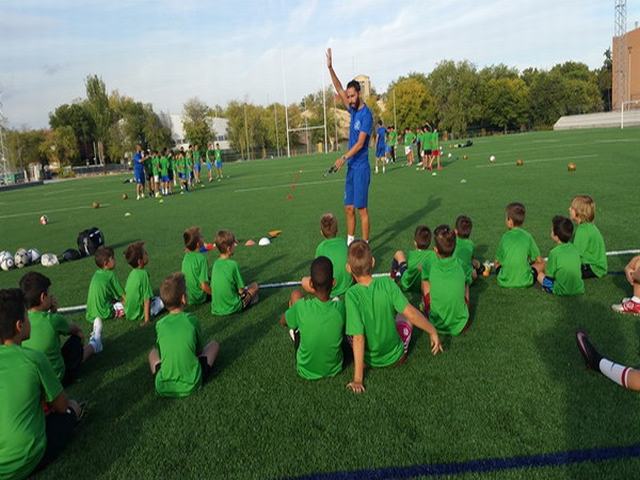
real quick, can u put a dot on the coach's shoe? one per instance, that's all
(589, 353)
(629, 306)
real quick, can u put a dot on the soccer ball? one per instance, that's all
(125, 196)
(44, 220)
(6, 263)
(264, 241)
(519, 162)
(5, 253)
(34, 255)
(95, 205)
(21, 259)
(49, 260)
(571, 167)
(465, 157)
(492, 158)
(449, 156)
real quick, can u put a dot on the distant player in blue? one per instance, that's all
(381, 146)
(138, 171)
(356, 189)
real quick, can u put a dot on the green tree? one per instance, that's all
(23, 147)
(506, 103)
(76, 115)
(604, 75)
(196, 122)
(100, 111)
(414, 103)
(60, 145)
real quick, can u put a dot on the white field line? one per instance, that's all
(80, 308)
(538, 160)
(46, 210)
(285, 185)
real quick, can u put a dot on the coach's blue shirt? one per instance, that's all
(137, 160)
(361, 121)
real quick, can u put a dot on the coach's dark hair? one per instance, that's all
(445, 240)
(11, 311)
(516, 212)
(380, 122)
(422, 237)
(463, 226)
(102, 256)
(354, 84)
(322, 275)
(562, 228)
(33, 285)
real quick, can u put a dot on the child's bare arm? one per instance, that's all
(357, 385)
(206, 288)
(283, 320)
(147, 310)
(416, 318)
(426, 287)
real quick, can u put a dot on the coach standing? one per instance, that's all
(356, 189)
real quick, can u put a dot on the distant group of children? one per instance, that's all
(423, 143)
(346, 309)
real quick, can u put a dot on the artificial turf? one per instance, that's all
(513, 385)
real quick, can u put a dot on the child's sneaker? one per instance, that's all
(96, 343)
(376, 169)
(629, 306)
(156, 306)
(118, 310)
(589, 353)
(138, 197)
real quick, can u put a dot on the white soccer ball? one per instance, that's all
(49, 260)
(449, 156)
(4, 254)
(21, 259)
(34, 255)
(6, 263)
(264, 241)
(492, 158)
(44, 220)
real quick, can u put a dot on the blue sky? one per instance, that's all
(167, 51)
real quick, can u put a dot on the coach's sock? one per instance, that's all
(615, 372)
(350, 239)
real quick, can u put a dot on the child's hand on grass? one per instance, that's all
(356, 387)
(436, 346)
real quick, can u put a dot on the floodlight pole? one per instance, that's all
(275, 114)
(4, 161)
(286, 110)
(324, 111)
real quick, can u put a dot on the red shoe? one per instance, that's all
(627, 306)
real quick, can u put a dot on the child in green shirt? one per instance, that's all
(406, 269)
(29, 440)
(335, 249)
(561, 274)
(228, 291)
(380, 320)
(465, 248)
(195, 268)
(180, 362)
(141, 305)
(517, 251)
(445, 287)
(316, 324)
(587, 238)
(47, 326)
(409, 139)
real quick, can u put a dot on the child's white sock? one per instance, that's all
(615, 372)
(350, 239)
(635, 299)
(97, 329)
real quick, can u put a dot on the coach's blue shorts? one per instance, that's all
(356, 187)
(547, 284)
(380, 150)
(181, 176)
(138, 176)
(165, 178)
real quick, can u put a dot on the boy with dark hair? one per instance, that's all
(228, 291)
(195, 268)
(141, 304)
(180, 361)
(316, 325)
(381, 146)
(380, 319)
(47, 327)
(209, 155)
(517, 251)
(409, 139)
(465, 249)
(29, 440)
(155, 171)
(335, 249)
(218, 161)
(587, 238)
(561, 274)
(105, 297)
(444, 285)
(393, 142)
(405, 269)
(164, 172)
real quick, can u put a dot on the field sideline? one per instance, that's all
(513, 386)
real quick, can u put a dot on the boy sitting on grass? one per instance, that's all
(316, 325)
(141, 304)
(335, 249)
(587, 238)
(195, 268)
(47, 327)
(229, 293)
(561, 274)
(29, 440)
(180, 362)
(444, 285)
(379, 318)
(405, 269)
(631, 305)
(105, 296)
(517, 251)
(465, 248)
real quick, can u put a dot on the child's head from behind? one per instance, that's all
(463, 226)
(422, 237)
(561, 229)
(329, 225)
(105, 258)
(322, 275)
(360, 260)
(136, 255)
(225, 242)
(192, 238)
(583, 209)
(515, 214)
(13, 316)
(35, 288)
(173, 291)
(445, 240)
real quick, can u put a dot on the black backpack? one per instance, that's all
(89, 241)
(70, 254)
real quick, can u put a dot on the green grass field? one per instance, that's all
(513, 385)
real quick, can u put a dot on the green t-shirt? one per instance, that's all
(46, 328)
(409, 138)
(411, 279)
(516, 251)
(188, 163)
(321, 326)
(435, 140)
(196, 156)
(104, 289)
(26, 377)
(218, 154)
(210, 155)
(563, 265)
(336, 250)
(179, 341)
(393, 138)
(164, 166)
(155, 165)
(137, 290)
(464, 252)
(449, 312)
(180, 165)
(371, 311)
(590, 244)
(196, 272)
(226, 282)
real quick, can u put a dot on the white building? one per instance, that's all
(218, 126)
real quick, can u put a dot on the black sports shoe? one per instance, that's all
(589, 353)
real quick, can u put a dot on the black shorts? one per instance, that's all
(587, 272)
(72, 353)
(59, 430)
(398, 269)
(204, 367)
